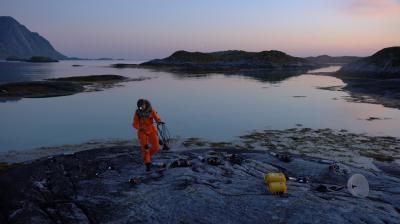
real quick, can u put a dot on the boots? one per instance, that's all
(148, 167)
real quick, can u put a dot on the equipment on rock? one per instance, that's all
(135, 181)
(214, 160)
(164, 135)
(234, 158)
(275, 177)
(276, 183)
(305, 179)
(321, 188)
(339, 169)
(284, 157)
(325, 188)
(181, 162)
(277, 187)
(358, 186)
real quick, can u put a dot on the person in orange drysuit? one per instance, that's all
(143, 121)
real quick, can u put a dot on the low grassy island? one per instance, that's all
(92, 78)
(122, 65)
(228, 61)
(13, 58)
(41, 59)
(37, 89)
(60, 86)
(35, 59)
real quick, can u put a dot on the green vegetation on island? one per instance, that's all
(229, 60)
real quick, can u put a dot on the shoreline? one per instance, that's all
(356, 149)
(207, 181)
(361, 90)
(65, 86)
(367, 90)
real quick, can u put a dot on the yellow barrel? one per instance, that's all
(277, 187)
(274, 177)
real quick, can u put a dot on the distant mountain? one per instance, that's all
(383, 64)
(227, 60)
(18, 42)
(326, 59)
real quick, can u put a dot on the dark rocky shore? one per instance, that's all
(376, 91)
(374, 79)
(221, 184)
(60, 86)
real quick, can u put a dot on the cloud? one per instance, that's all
(373, 8)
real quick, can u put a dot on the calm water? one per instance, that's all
(216, 107)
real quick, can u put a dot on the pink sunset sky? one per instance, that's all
(156, 28)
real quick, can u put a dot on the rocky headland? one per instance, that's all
(374, 79)
(19, 42)
(384, 64)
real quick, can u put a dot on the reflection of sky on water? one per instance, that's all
(25, 71)
(216, 107)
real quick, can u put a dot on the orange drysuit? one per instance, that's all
(147, 134)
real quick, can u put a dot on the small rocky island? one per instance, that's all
(60, 86)
(34, 59)
(41, 59)
(224, 61)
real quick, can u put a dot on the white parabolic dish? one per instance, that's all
(358, 186)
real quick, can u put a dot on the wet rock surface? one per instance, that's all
(358, 150)
(205, 186)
